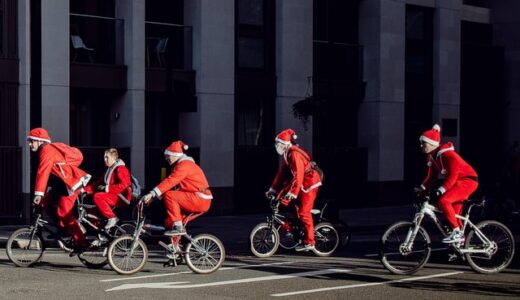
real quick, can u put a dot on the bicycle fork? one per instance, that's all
(406, 247)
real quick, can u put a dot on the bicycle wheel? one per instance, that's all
(264, 240)
(94, 259)
(288, 239)
(396, 256)
(498, 255)
(23, 248)
(205, 254)
(125, 228)
(125, 260)
(327, 239)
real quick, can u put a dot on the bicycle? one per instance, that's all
(26, 246)
(203, 253)
(405, 247)
(287, 231)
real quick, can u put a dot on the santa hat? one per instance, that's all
(39, 134)
(285, 136)
(432, 136)
(176, 149)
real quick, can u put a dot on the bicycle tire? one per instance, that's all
(327, 239)
(123, 259)
(399, 260)
(205, 254)
(264, 240)
(500, 255)
(288, 239)
(94, 259)
(21, 250)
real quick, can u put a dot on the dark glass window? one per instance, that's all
(104, 8)
(165, 11)
(255, 34)
(251, 52)
(251, 12)
(161, 119)
(90, 114)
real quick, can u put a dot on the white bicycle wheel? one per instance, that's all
(126, 259)
(205, 254)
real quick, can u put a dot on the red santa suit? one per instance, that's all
(297, 178)
(117, 189)
(186, 189)
(52, 161)
(459, 180)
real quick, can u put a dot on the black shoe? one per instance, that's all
(177, 230)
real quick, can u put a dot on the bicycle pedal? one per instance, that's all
(453, 257)
(170, 263)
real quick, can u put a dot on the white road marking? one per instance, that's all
(188, 272)
(182, 285)
(377, 254)
(363, 285)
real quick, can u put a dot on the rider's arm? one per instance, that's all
(431, 176)
(279, 179)
(46, 158)
(178, 174)
(451, 164)
(297, 165)
(122, 180)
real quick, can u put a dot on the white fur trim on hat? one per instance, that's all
(38, 139)
(429, 141)
(176, 154)
(436, 127)
(282, 141)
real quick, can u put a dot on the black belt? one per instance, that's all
(474, 178)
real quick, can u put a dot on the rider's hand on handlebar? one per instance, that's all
(270, 194)
(419, 192)
(37, 200)
(286, 200)
(147, 199)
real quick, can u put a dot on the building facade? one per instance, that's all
(358, 81)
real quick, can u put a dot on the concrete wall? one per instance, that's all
(212, 127)
(55, 69)
(294, 29)
(381, 120)
(128, 130)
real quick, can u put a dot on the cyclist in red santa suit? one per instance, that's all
(186, 189)
(297, 181)
(114, 189)
(459, 179)
(70, 178)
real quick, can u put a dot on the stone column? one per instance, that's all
(294, 30)
(24, 99)
(446, 62)
(212, 126)
(128, 130)
(381, 119)
(55, 69)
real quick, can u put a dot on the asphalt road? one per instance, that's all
(353, 272)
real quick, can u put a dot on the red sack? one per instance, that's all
(72, 155)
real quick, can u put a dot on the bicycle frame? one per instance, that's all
(426, 209)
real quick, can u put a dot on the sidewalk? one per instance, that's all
(237, 228)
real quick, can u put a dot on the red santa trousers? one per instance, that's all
(303, 208)
(452, 201)
(105, 202)
(177, 203)
(64, 213)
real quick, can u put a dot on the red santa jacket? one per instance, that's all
(295, 173)
(53, 162)
(188, 176)
(445, 162)
(116, 181)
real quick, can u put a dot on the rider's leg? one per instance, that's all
(68, 220)
(306, 203)
(105, 202)
(451, 202)
(177, 202)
